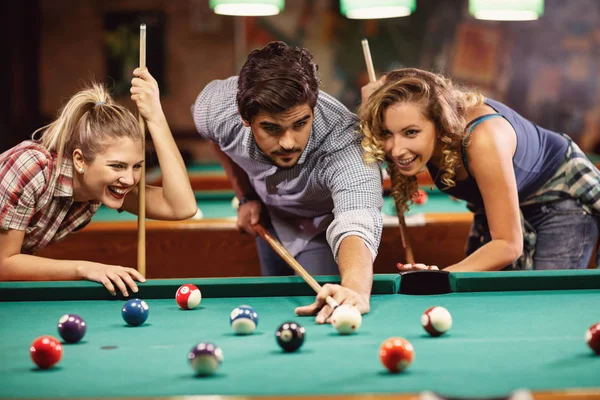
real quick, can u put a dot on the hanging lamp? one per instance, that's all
(506, 10)
(248, 8)
(376, 9)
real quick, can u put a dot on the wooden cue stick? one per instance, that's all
(402, 223)
(291, 261)
(141, 254)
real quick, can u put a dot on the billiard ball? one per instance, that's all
(205, 358)
(243, 320)
(188, 296)
(46, 351)
(592, 337)
(290, 336)
(235, 203)
(420, 197)
(346, 319)
(198, 215)
(71, 328)
(396, 354)
(436, 321)
(135, 312)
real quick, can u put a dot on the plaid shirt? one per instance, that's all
(330, 188)
(37, 198)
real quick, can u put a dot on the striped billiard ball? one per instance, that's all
(188, 296)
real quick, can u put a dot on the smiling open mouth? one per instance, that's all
(117, 192)
(406, 162)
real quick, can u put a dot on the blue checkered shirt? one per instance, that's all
(330, 188)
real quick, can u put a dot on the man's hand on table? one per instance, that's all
(341, 295)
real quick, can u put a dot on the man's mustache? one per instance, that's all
(284, 152)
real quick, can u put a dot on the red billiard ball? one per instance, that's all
(188, 296)
(396, 354)
(436, 321)
(420, 197)
(46, 351)
(592, 337)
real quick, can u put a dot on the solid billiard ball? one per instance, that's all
(346, 319)
(46, 351)
(243, 320)
(188, 296)
(205, 358)
(71, 328)
(420, 197)
(592, 337)
(135, 312)
(396, 354)
(436, 321)
(290, 336)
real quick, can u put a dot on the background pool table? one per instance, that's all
(510, 331)
(212, 246)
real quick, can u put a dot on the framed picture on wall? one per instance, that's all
(122, 47)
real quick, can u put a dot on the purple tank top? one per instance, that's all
(538, 155)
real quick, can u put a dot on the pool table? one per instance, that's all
(511, 330)
(212, 246)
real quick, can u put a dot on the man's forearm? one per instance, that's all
(356, 265)
(237, 176)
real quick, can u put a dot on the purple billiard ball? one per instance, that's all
(71, 328)
(205, 358)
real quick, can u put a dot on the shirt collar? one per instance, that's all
(64, 180)
(309, 147)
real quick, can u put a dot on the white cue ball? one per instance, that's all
(436, 321)
(346, 319)
(235, 203)
(198, 215)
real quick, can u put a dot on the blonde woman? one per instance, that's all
(90, 155)
(534, 194)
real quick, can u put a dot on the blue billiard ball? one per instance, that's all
(135, 312)
(71, 328)
(243, 320)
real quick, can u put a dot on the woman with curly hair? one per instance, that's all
(535, 196)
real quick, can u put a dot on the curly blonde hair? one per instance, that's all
(442, 102)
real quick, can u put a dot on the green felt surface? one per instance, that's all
(500, 341)
(217, 204)
(214, 205)
(437, 202)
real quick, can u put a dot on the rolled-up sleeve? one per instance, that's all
(357, 197)
(23, 178)
(215, 110)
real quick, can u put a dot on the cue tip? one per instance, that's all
(143, 27)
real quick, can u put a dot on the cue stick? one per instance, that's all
(291, 261)
(141, 255)
(402, 223)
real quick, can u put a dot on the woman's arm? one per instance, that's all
(23, 267)
(490, 155)
(175, 200)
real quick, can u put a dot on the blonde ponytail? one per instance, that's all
(88, 119)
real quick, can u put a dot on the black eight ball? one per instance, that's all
(290, 336)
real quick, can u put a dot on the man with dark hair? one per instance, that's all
(294, 158)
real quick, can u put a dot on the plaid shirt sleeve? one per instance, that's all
(215, 110)
(357, 196)
(23, 178)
